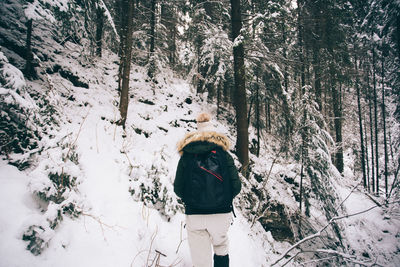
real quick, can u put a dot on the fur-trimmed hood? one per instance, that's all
(210, 137)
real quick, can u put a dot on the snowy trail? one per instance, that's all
(114, 229)
(371, 230)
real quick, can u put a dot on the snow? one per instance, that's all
(114, 228)
(35, 11)
(372, 230)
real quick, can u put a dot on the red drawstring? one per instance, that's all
(216, 175)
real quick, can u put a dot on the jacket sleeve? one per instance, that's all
(179, 182)
(233, 174)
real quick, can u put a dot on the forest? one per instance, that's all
(308, 91)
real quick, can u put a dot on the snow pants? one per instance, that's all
(208, 233)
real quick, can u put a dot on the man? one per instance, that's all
(206, 165)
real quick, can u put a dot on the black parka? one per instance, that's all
(198, 143)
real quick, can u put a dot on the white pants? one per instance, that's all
(204, 231)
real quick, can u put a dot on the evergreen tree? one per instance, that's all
(125, 57)
(242, 141)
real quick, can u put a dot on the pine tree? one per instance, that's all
(242, 141)
(125, 63)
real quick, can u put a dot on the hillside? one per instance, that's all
(79, 190)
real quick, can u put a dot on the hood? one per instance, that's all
(202, 141)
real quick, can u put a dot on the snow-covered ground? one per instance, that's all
(114, 229)
(116, 170)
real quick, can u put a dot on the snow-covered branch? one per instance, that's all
(319, 233)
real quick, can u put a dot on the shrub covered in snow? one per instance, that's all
(18, 133)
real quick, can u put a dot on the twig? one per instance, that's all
(181, 240)
(351, 192)
(255, 218)
(76, 138)
(130, 163)
(137, 254)
(69, 150)
(395, 180)
(100, 223)
(151, 244)
(270, 170)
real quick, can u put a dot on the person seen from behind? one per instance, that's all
(207, 181)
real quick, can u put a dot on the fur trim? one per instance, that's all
(212, 137)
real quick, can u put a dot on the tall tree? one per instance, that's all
(375, 99)
(240, 100)
(99, 27)
(384, 53)
(357, 84)
(125, 58)
(151, 70)
(29, 70)
(170, 21)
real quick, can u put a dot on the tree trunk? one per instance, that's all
(317, 76)
(360, 125)
(371, 123)
(151, 69)
(384, 129)
(376, 124)
(169, 20)
(316, 46)
(367, 155)
(301, 45)
(126, 61)
(258, 121)
(267, 115)
(336, 97)
(99, 28)
(122, 22)
(219, 97)
(242, 142)
(29, 70)
(199, 77)
(304, 155)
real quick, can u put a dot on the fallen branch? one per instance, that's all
(347, 257)
(319, 233)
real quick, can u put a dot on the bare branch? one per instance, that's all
(318, 234)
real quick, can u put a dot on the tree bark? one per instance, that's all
(371, 123)
(242, 142)
(360, 125)
(336, 97)
(376, 124)
(151, 69)
(258, 121)
(268, 115)
(99, 28)
(384, 129)
(317, 76)
(29, 70)
(301, 43)
(126, 62)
